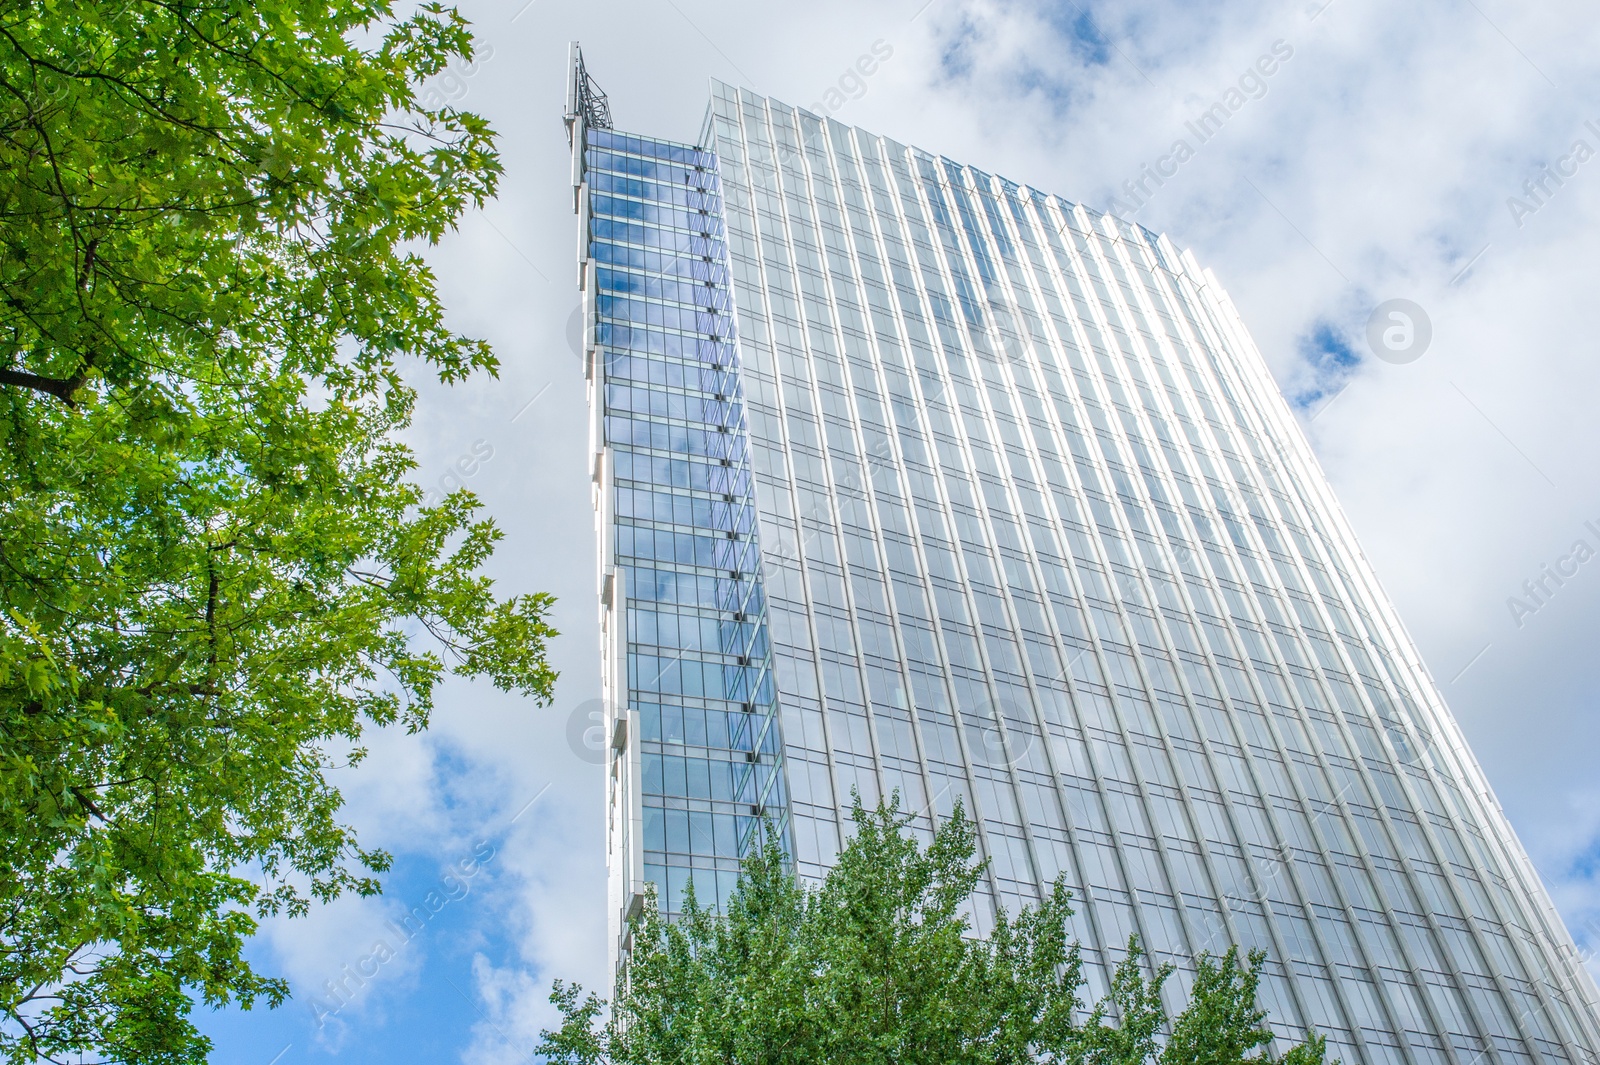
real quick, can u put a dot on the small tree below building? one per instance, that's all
(877, 966)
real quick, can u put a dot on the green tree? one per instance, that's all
(877, 965)
(214, 569)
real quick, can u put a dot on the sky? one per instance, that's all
(1445, 153)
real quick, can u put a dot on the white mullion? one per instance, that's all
(836, 322)
(781, 403)
(1497, 833)
(1186, 386)
(963, 444)
(1053, 268)
(1143, 786)
(870, 490)
(1388, 1007)
(1428, 829)
(1096, 369)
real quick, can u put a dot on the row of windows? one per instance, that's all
(701, 294)
(699, 268)
(599, 142)
(693, 725)
(695, 191)
(676, 473)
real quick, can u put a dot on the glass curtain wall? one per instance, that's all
(695, 759)
(1039, 534)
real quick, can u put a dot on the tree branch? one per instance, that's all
(63, 390)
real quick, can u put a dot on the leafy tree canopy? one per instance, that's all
(214, 569)
(878, 965)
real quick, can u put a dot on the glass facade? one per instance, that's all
(688, 682)
(990, 498)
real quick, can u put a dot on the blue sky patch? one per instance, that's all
(1330, 358)
(1075, 24)
(398, 1012)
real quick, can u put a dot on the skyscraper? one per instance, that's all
(911, 478)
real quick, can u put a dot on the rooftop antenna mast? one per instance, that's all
(584, 98)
